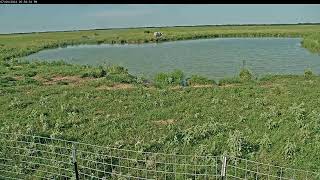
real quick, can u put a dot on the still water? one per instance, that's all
(213, 58)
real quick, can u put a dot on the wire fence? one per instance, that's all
(35, 157)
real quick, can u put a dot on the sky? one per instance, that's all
(38, 18)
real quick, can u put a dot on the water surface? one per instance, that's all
(214, 58)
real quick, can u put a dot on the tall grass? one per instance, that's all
(312, 42)
(275, 119)
(255, 120)
(172, 78)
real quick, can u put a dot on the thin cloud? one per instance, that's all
(121, 13)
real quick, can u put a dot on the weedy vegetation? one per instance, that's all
(273, 119)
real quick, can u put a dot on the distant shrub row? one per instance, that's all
(178, 78)
(113, 73)
(175, 78)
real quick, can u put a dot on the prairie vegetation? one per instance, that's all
(312, 42)
(277, 118)
(274, 119)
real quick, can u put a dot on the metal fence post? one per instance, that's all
(74, 160)
(224, 167)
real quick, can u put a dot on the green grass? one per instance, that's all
(268, 114)
(200, 80)
(274, 119)
(18, 45)
(166, 79)
(312, 42)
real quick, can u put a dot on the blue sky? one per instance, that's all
(28, 18)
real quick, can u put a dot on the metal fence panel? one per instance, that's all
(35, 157)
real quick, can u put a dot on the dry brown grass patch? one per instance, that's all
(57, 79)
(165, 122)
(228, 85)
(18, 78)
(116, 87)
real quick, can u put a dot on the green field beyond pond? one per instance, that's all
(273, 119)
(18, 45)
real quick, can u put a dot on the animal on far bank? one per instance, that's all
(157, 34)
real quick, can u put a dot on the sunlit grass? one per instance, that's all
(272, 119)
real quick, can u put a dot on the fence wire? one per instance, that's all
(35, 157)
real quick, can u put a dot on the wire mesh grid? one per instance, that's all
(238, 168)
(112, 163)
(35, 157)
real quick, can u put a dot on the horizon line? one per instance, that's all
(141, 27)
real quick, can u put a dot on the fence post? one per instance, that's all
(74, 160)
(224, 167)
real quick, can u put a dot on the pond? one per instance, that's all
(213, 58)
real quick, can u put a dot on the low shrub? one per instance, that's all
(265, 142)
(142, 80)
(235, 143)
(7, 81)
(226, 81)
(245, 75)
(29, 80)
(113, 73)
(268, 77)
(63, 83)
(200, 80)
(290, 149)
(58, 63)
(94, 74)
(122, 78)
(171, 78)
(115, 69)
(308, 74)
(31, 73)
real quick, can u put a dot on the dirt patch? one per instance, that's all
(38, 78)
(60, 79)
(194, 86)
(267, 85)
(99, 112)
(270, 85)
(18, 78)
(228, 85)
(68, 79)
(203, 85)
(116, 87)
(165, 122)
(130, 86)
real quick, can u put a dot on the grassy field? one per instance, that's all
(18, 45)
(312, 42)
(274, 119)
